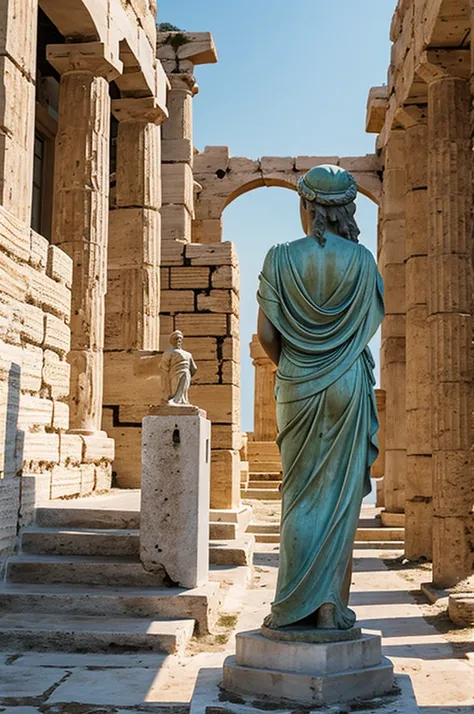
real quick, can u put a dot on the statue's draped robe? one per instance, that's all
(327, 303)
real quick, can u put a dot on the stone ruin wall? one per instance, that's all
(39, 458)
(423, 121)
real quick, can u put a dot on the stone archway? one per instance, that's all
(220, 179)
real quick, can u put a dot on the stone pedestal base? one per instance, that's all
(174, 516)
(308, 673)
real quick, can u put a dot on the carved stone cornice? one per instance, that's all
(146, 109)
(89, 57)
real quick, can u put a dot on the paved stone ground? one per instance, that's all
(432, 663)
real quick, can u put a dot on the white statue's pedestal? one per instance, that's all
(174, 517)
(306, 672)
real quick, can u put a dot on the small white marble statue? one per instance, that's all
(177, 367)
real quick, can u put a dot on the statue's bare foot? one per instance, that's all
(326, 618)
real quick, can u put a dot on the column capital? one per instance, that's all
(90, 57)
(184, 82)
(410, 115)
(259, 356)
(146, 109)
(444, 64)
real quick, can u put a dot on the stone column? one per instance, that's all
(450, 308)
(265, 426)
(419, 482)
(80, 224)
(392, 267)
(177, 156)
(133, 294)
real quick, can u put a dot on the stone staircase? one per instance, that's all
(370, 533)
(77, 584)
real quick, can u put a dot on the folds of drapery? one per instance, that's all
(327, 304)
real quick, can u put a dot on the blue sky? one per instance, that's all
(292, 79)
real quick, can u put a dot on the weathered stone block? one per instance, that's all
(134, 238)
(98, 449)
(189, 277)
(38, 256)
(57, 335)
(218, 301)
(225, 479)
(202, 325)
(175, 226)
(183, 552)
(56, 374)
(14, 236)
(41, 447)
(212, 254)
(59, 266)
(103, 477)
(87, 478)
(178, 185)
(172, 252)
(60, 416)
(9, 507)
(49, 294)
(70, 449)
(65, 481)
(34, 412)
(177, 301)
(32, 328)
(14, 284)
(226, 276)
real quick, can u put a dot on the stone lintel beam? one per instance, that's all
(377, 105)
(88, 57)
(439, 64)
(196, 47)
(145, 109)
(411, 115)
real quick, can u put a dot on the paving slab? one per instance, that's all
(115, 687)
(28, 681)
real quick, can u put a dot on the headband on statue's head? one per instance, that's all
(327, 185)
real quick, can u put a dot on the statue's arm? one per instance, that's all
(269, 337)
(192, 367)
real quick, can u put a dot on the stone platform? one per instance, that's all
(307, 673)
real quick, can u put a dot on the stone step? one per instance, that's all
(120, 543)
(258, 467)
(78, 569)
(262, 494)
(379, 545)
(199, 604)
(377, 534)
(109, 519)
(70, 633)
(264, 527)
(223, 531)
(266, 476)
(256, 483)
(232, 552)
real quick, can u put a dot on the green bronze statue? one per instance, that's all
(321, 301)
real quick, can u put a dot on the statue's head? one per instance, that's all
(176, 339)
(328, 202)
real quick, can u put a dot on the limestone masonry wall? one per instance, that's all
(39, 460)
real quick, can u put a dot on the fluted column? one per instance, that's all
(419, 387)
(450, 308)
(265, 426)
(80, 224)
(133, 295)
(392, 266)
